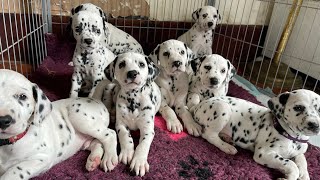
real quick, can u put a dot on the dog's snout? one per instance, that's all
(312, 126)
(5, 121)
(132, 74)
(210, 24)
(177, 63)
(88, 41)
(214, 81)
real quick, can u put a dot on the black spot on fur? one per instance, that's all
(284, 98)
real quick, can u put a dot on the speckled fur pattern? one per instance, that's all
(56, 130)
(199, 37)
(90, 57)
(210, 78)
(251, 127)
(173, 58)
(137, 102)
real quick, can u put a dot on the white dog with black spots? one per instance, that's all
(173, 56)
(36, 134)
(137, 102)
(199, 37)
(277, 135)
(210, 78)
(114, 39)
(90, 57)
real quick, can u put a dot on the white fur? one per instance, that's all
(137, 102)
(251, 127)
(199, 37)
(89, 59)
(210, 78)
(56, 130)
(173, 83)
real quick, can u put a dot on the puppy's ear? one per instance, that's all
(42, 106)
(278, 103)
(195, 14)
(77, 9)
(154, 55)
(231, 71)
(153, 70)
(219, 17)
(196, 63)
(109, 70)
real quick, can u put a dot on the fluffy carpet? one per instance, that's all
(172, 156)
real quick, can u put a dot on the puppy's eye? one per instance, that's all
(182, 52)
(98, 31)
(215, 16)
(207, 67)
(204, 15)
(166, 54)
(141, 64)
(20, 97)
(122, 64)
(223, 70)
(299, 108)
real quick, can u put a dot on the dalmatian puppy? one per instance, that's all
(36, 134)
(277, 135)
(199, 37)
(173, 56)
(210, 78)
(138, 100)
(90, 57)
(114, 39)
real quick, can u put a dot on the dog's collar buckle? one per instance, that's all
(284, 133)
(13, 139)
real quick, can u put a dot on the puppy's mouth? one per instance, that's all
(132, 82)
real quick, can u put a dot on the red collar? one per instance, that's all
(13, 139)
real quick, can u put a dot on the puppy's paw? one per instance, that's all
(126, 155)
(193, 128)
(304, 176)
(109, 161)
(70, 63)
(229, 149)
(140, 165)
(93, 162)
(174, 126)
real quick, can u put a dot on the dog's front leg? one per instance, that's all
(172, 121)
(76, 83)
(95, 81)
(126, 142)
(301, 162)
(25, 169)
(192, 127)
(140, 159)
(193, 99)
(271, 159)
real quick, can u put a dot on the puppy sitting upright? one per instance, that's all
(36, 134)
(137, 103)
(199, 37)
(278, 136)
(210, 78)
(90, 57)
(173, 57)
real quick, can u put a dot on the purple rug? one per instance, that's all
(172, 156)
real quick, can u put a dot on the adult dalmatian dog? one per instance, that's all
(277, 135)
(199, 37)
(90, 57)
(114, 39)
(137, 102)
(210, 78)
(173, 56)
(36, 134)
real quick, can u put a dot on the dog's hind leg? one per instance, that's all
(95, 156)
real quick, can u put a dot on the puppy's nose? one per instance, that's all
(312, 126)
(132, 74)
(176, 63)
(88, 41)
(214, 81)
(210, 24)
(5, 121)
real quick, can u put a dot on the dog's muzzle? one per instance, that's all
(88, 41)
(214, 81)
(132, 74)
(5, 121)
(314, 127)
(176, 64)
(210, 24)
